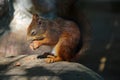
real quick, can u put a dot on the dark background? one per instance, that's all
(104, 17)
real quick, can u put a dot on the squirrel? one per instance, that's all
(62, 35)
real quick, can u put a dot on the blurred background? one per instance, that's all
(99, 22)
(104, 53)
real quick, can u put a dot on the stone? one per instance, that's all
(32, 68)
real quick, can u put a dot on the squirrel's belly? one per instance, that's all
(53, 51)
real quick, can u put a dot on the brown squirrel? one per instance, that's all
(62, 35)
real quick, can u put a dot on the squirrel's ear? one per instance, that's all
(35, 16)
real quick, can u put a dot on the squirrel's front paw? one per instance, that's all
(34, 45)
(31, 46)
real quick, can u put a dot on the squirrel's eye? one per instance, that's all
(33, 32)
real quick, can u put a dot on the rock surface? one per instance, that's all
(28, 67)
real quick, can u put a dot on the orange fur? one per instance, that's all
(62, 34)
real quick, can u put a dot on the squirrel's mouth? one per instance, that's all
(31, 39)
(39, 38)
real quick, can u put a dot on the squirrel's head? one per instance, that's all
(37, 28)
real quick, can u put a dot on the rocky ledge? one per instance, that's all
(28, 67)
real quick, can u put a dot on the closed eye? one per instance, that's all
(33, 32)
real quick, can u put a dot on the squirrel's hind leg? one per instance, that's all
(52, 59)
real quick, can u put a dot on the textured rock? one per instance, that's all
(31, 68)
